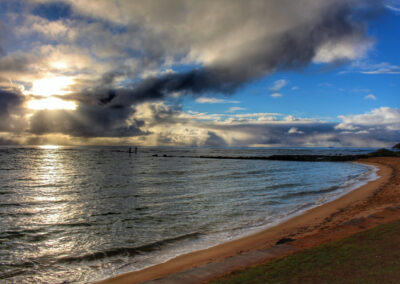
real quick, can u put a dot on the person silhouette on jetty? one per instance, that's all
(130, 150)
(135, 150)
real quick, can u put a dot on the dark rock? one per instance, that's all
(375, 216)
(284, 240)
(302, 158)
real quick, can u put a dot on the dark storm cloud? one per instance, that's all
(6, 141)
(8, 100)
(87, 121)
(294, 49)
(193, 82)
(10, 105)
(2, 38)
(161, 114)
(214, 140)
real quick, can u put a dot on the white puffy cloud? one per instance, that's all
(209, 100)
(278, 85)
(383, 117)
(349, 48)
(234, 109)
(373, 69)
(294, 130)
(370, 97)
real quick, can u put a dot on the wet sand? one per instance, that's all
(374, 203)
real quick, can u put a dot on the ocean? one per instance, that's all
(79, 214)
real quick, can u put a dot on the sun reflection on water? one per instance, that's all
(55, 205)
(50, 174)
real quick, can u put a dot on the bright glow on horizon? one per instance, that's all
(52, 86)
(51, 104)
(49, 147)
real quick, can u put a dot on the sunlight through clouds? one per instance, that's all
(51, 104)
(48, 86)
(165, 72)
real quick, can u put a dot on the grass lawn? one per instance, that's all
(372, 256)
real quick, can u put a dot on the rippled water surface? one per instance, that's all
(83, 214)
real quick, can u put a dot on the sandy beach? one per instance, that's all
(374, 203)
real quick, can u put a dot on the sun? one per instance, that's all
(51, 104)
(55, 85)
(49, 87)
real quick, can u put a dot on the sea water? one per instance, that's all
(79, 214)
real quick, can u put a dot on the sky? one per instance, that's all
(224, 73)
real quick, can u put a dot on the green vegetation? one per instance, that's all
(384, 153)
(397, 146)
(367, 257)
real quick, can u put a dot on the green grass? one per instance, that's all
(372, 256)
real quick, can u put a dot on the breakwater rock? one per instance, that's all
(299, 158)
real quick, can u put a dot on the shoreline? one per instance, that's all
(299, 227)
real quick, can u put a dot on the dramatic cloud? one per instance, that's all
(87, 121)
(276, 35)
(169, 126)
(11, 110)
(122, 63)
(308, 28)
